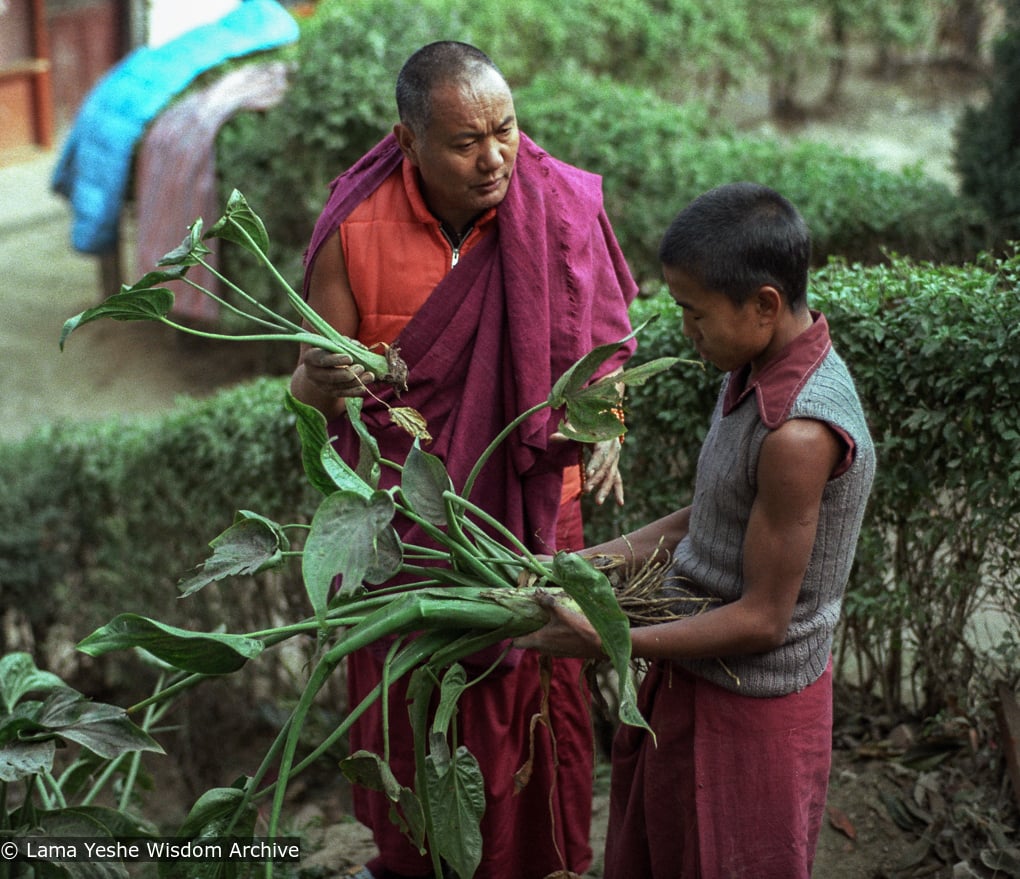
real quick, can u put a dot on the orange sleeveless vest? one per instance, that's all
(396, 254)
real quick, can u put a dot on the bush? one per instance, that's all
(988, 138)
(653, 154)
(935, 352)
(655, 157)
(105, 517)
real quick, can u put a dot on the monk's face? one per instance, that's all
(466, 156)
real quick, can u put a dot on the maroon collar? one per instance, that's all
(778, 384)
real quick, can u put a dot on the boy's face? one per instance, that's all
(725, 334)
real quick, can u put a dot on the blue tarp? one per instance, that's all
(95, 165)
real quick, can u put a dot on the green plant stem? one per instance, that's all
(308, 314)
(285, 326)
(500, 437)
(152, 715)
(414, 653)
(386, 621)
(500, 528)
(384, 696)
(412, 611)
(265, 309)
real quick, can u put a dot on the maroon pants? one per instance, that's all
(734, 788)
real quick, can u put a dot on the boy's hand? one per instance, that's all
(566, 634)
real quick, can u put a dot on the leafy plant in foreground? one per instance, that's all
(63, 803)
(147, 300)
(457, 595)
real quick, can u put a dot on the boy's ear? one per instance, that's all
(769, 302)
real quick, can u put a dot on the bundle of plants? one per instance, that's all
(475, 584)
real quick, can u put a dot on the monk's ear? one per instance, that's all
(407, 141)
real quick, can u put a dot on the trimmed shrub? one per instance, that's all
(653, 154)
(106, 517)
(655, 157)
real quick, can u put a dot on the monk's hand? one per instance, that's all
(602, 475)
(335, 374)
(566, 634)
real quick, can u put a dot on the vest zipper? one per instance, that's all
(454, 246)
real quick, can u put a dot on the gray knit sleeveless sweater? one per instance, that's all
(711, 555)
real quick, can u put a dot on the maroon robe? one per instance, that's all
(539, 292)
(733, 787)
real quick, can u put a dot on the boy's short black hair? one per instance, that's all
(739, 237)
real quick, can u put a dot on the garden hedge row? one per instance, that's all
(104, 517)
(654, 154)
(101, 518)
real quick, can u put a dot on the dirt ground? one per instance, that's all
(130, 369)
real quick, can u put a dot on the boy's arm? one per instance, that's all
(795, 464)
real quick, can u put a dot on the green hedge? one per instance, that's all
(101, 518)
(988, 137)
(655, 157)
(654, 154)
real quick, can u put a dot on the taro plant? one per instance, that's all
(43, 797)
(473, 586)
(147, 300)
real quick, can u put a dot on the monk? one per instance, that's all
(493, 267)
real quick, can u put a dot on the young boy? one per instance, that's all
(740, 695)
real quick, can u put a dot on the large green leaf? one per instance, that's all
(342, 474)
(241, 225)
(75, 823)
(218, 814)
(580, 373)
(456, 794)
(251, 545)
(369, 458)
(149, 303)
(190, 251)
(311, 428)
(20, 760)
(19, 675)
(371, 771)
(215, 811)
(423, 483)
(593, 592)
(208, 653)
(592, 411)
(103, 729)
(352, 536)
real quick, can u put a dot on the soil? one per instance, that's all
(132, 369)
